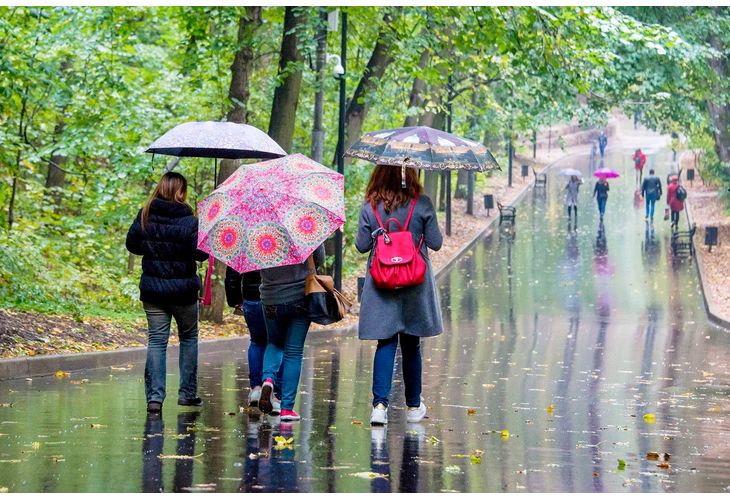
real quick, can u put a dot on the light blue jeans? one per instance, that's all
(159, 319)
(287, 326)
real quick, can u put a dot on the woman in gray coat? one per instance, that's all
(404, 314)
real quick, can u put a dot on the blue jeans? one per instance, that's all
(159, 319)
(410, 349)
(287, 326)
(602, 205)
(650, 200)
(253, 313)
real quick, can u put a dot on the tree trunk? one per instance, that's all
(55, 180)
(317, 149)
(720, 113)
(416, 99)
(238, 94)
(286, 94)
(379, 60)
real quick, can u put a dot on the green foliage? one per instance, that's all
(96, 85)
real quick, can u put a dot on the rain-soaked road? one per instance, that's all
(568, 342)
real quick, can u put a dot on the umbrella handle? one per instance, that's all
(207, 298)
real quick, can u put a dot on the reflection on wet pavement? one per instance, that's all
(574, 358)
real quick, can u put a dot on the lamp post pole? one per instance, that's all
(341, 142)
(448, 172)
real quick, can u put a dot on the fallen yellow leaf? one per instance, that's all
(504, 433)
(471, 411)
(62, 374)
(550, 409)
(649, 418)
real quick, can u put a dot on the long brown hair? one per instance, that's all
(172, 187)
(385, 186)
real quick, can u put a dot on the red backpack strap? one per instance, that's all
(377, 216)
(410, 212)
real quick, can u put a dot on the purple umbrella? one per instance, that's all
(422, 147)
(606, 173)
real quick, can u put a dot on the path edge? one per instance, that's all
(707, 297)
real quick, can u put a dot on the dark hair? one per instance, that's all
(172, 187)
(385, 186)
(651, 171)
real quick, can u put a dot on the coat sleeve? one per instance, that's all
(232, 282)
(198, 255)
(364, 239)
(431, 233)
(134, 236)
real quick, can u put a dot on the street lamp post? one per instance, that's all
(448, 172)
(341, 143)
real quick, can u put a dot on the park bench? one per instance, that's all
(682, 244)
(506, 213)
(540, 179)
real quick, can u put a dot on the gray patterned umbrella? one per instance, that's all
(422, 147)
(217, 140)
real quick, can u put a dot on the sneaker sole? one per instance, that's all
(265, 401)
(291, 419)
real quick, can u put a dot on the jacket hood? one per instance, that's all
(170, 208)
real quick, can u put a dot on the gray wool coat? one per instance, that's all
(414, 310)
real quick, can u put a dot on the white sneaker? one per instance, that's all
(275, 405)
(254, 395)
(414, 415)
(379, 416)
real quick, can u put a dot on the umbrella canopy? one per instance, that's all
(569, 172)
(273, 213)
(422, 147)
(606, 173)
(216, 140)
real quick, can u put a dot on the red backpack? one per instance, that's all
(396, 262)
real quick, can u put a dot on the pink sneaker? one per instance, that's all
(290, 416)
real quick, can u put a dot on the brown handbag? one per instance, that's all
(325, 304)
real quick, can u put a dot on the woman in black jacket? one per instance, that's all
(165, 233)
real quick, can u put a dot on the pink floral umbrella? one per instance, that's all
(273, 213)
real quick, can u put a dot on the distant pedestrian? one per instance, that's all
(651, 191)
(287, 325)
(602, 142)
(242, 293)
(676, 194)
(639, 162)
(403, 315)
(571, 195)
(600, 193)
(165, 233)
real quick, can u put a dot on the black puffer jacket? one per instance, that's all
(169, 249)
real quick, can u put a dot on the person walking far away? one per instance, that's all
(639, 162)
(571, 195)
(402, 315)
(165, 233)
(600, 193)
(676, 194)
(602, 142)
(242, 293)
(651, 191)
(287, 325)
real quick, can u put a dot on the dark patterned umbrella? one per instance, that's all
(217, 140)
(422, 147)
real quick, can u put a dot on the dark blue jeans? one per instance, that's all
(159, 319)
(410, 349)
(287, 326)
(650, 201)
(602, 205)
(253, 313)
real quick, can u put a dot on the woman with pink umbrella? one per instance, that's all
(600, 191)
